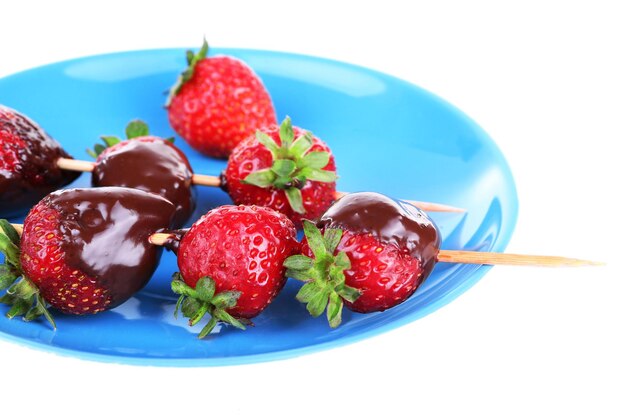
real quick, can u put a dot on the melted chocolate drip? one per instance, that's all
(150, 165)
(391, 221)
(106, 234)
(35, 173)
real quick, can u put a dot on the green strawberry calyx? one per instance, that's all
(134, 129)
(325, 283)
(21, 294)
(192, 61)
(293, 164)
(196, 302)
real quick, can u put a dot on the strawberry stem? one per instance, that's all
(21, 294)
(134, 129)
(192, 61)
(323, 274)
(196, 302)
(293, 164)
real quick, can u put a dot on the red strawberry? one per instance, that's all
(28, 169)
(217, 102)
(373, 254)
(231, 264)
(82, 250)
(147, 163)
(285, 168)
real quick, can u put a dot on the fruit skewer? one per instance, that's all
(215, 181)
(283, 167)
(372, 263)
(452, 256)
(464, 256)
(447, 255)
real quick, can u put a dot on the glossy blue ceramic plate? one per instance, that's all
(387, 135)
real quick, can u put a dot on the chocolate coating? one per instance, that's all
(28, 169)
(106, 234)
(391, 221)
(149, 164)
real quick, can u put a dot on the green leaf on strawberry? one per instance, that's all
(137, 128)
(21, 294)
(196, 302)
(293, 165)
(134, 129)
(192, 60)
(323, 274)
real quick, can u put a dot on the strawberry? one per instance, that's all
(368, 252)
(82, 251)
(217, 102)
(147, 163)
(231, 264)
(28, 169)
(285, 168)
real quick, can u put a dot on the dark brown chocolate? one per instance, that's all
(149, 164)
(106, 234)
(28, 169)
(391, 221)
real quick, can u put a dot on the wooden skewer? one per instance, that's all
(206, 180)
(212, 181)
(159, 239)
(453, 256)
(88, 166)
(75, 165)
(497, 258)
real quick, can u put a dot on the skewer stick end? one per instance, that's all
(75, 165)
(159, 239)
(497, 258)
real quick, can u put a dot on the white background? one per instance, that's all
(545, 79)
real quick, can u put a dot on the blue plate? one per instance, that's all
(387, 135)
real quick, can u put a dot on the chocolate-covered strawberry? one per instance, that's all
(82, 251)
(285, 168)
(28, 169)
(231, 264)
(217, 102)
(367, 251)
(147, 163)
